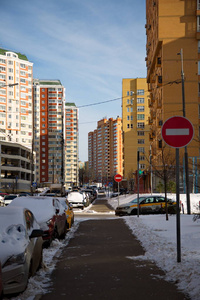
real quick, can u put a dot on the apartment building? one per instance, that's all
(105, 150)
(135, 125)
(16, 78)
(173, 28)
(71, 145)
(48, 96)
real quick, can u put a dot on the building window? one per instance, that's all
(141, 141)
(128, 125)
(198, 67)
(198, 23)
(140, 92)
(127, 101)
(140, 100)
(140, 117)
(140, 108)
(141, 149)
(127, 93)
(140, 133)
(128, 117)
(140, 125)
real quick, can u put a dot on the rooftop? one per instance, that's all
(20, 56)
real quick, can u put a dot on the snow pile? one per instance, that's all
(158, 237)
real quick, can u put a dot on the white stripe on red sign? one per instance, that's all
(178, 131)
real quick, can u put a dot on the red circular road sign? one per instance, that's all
(118, 177)
(177, 132)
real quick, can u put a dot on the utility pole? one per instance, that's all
(186, 153)
(138, 184)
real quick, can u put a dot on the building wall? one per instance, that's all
(135, 125)
(170, 27)
(105, 150)
(71, 145)
(15, 101)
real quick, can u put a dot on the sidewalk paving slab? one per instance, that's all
(96, 265)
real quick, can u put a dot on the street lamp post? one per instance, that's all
(186, 153)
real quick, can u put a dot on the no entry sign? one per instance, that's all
(177, 132)
(118, 177)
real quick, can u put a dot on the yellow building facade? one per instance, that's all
(135, 125)
(173, 27)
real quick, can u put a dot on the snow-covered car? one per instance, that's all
(76, 199)
(21, 247)
(147, 205)
(2, 195)
(48, 212)
(1, 283)
(9, 198)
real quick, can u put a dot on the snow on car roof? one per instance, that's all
(41, 207)
(75, 196)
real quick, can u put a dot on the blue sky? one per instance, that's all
(89, 45)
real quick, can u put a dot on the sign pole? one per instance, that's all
(178, 227)
(118, 193)
(138, 185)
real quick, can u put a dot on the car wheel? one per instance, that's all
(55, 234)
(41, 261)
(134, 212)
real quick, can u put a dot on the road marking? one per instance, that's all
(178, 131)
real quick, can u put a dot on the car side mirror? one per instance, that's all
(36, 233)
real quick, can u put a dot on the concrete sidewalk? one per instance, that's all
(95, 265)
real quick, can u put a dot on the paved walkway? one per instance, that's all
(95, 265)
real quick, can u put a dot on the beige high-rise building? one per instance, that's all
(135, 125)
(105, 150)
(71, 145)
(172, 28)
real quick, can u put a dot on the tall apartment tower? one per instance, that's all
(49, 98)
(172, 28)
(16, 78)
(105, 150)
(71, 145)
(135, 125)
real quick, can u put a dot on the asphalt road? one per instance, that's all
(96, 265)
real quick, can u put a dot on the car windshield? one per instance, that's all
(135, 200)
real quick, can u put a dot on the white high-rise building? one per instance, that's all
(16, 78)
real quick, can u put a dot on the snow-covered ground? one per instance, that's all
(157, 236)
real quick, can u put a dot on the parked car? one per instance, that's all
(21, 247)
(9, 198)
(68, 211)
(101, 193)
(147, 205)
(76, 199)
(49, 213)
(2, 195)
(92, 194)
(1, 283)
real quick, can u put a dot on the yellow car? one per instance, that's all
(147, 205)
(68, 211)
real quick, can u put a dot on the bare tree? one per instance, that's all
(164, 168)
